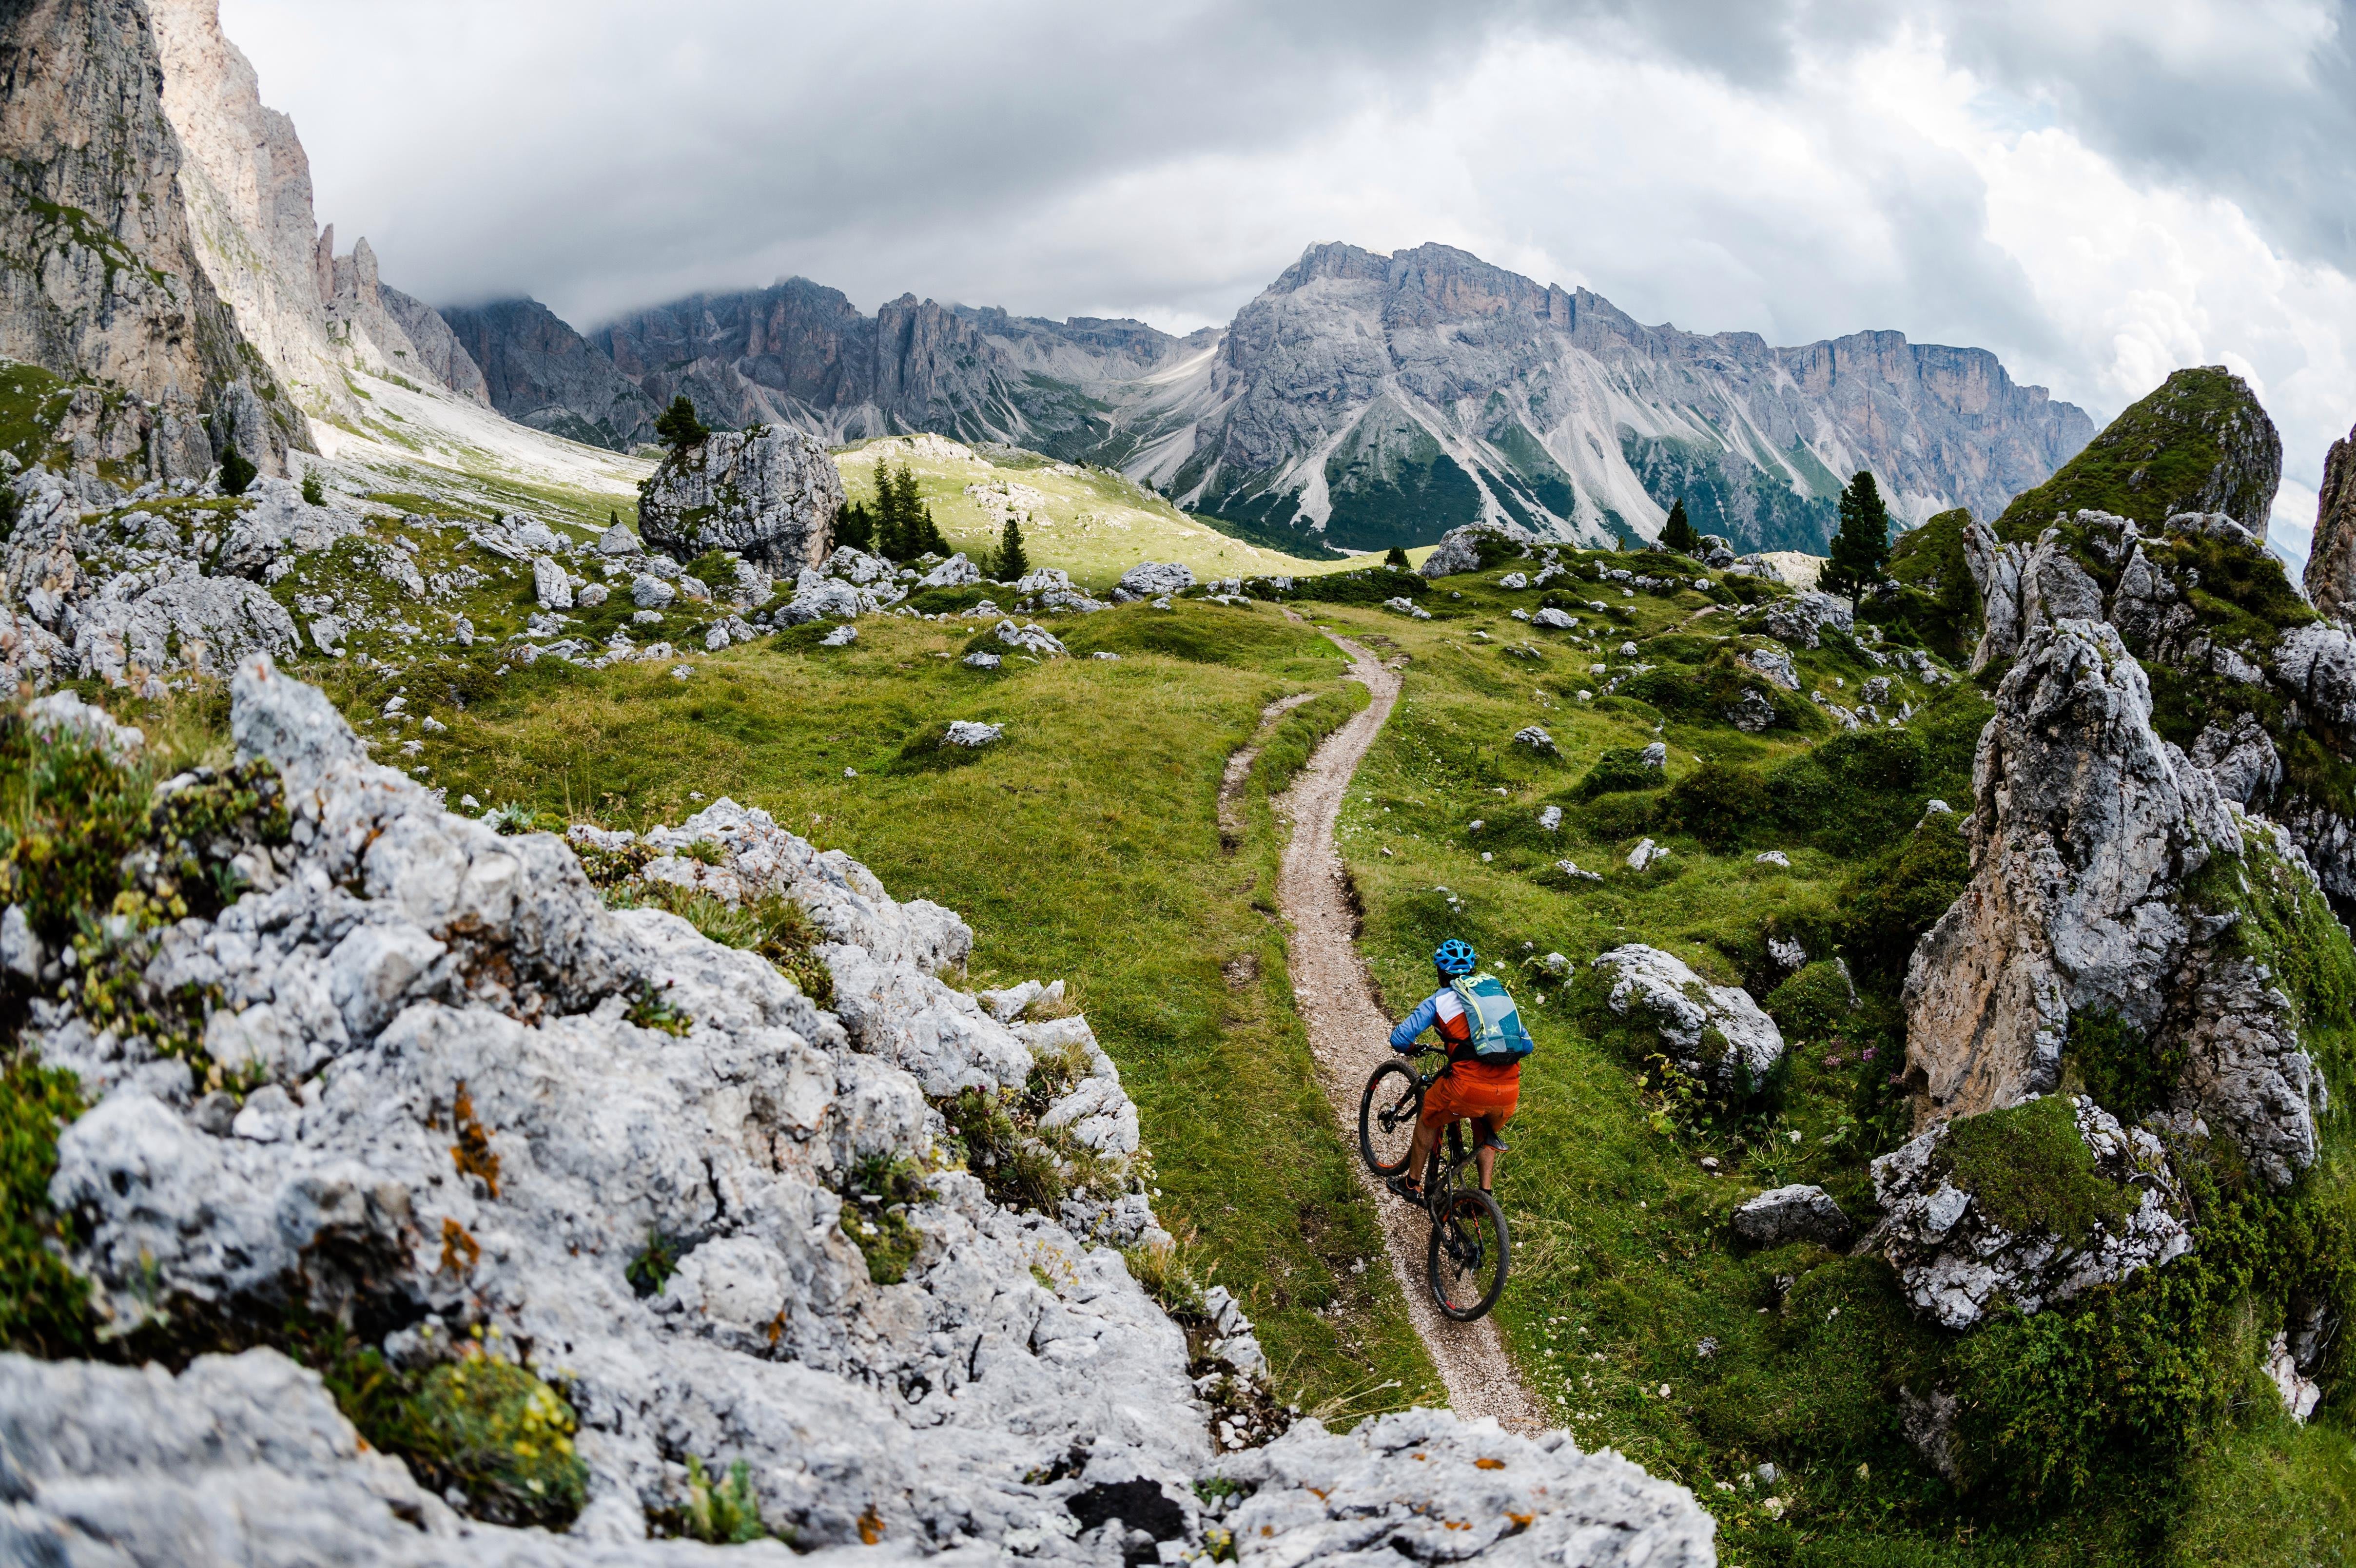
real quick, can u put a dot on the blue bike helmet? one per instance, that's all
(1455, 958)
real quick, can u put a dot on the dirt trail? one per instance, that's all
(1348, 1035)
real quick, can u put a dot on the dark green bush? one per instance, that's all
(1886, 905)
(44, 1306)
(1718, 804)
(1813, 1003)
(1617, 768)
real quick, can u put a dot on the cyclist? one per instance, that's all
(1483, 1081)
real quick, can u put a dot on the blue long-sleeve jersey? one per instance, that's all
(1443, 1010)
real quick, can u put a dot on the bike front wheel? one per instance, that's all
(1387, 1117)
(1468, 1254)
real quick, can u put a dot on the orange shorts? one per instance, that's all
(1477, 1089)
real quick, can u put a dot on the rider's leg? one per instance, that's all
(1485, 1155)
(1420, 1150)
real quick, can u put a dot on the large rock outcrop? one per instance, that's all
(2199, 442)
(475, 1098)
(770, 494)
(2088, 910)
(2330, 576)
(2251, 670)
(99, 279)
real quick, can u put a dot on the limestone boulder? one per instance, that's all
(770, 494)
(1153, 580)
(2089, 834)
(1716, 1031)
(1459, 550)
(1800, 1212)
(1803, 618)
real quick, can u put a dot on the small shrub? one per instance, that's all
(496, 1433)
(43, 1306)
(651, 1009)
(658, 1260)
(2127, 1075)
(1887, 904)
(237, 471)
(1165, 1274)
(315, 493)
(486, 1429)
(1718, 804)
(724, 1513)
(1813, 1003)
(874, 1215)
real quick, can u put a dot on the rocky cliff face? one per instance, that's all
(2330, 576)
(103, 281)
(248, 190)
(2117, 897)
(539, 371)
(436, 1092)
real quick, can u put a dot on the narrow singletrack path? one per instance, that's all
(1348, 1035)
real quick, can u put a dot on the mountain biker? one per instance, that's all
(1483, 1081)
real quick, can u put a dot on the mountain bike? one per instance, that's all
(1469, 1251)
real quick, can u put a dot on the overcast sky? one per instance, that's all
(2099, 192)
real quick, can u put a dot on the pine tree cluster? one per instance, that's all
(898, 527)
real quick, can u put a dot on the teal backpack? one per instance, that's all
(1496, 1025)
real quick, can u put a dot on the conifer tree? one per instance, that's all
(916, 526)
(1861, 549)
(1677, 533)
(1397, 560)
(679, 427)
(854, 527)
(1014, 561)
(891, 537)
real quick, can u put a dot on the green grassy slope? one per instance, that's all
(2162, 456)
(1091, 522)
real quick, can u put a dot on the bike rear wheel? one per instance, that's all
(1468, 1254)
(1387, 1117)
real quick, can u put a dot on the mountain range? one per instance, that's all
(1361, 401)
(163, 238)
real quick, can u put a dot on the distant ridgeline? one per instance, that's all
(1361, 402)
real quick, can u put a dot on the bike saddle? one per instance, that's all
(1491, 1140)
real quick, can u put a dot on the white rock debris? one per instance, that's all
(402, 983)
(1153, 580)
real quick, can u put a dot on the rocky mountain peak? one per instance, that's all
(2200, 441)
